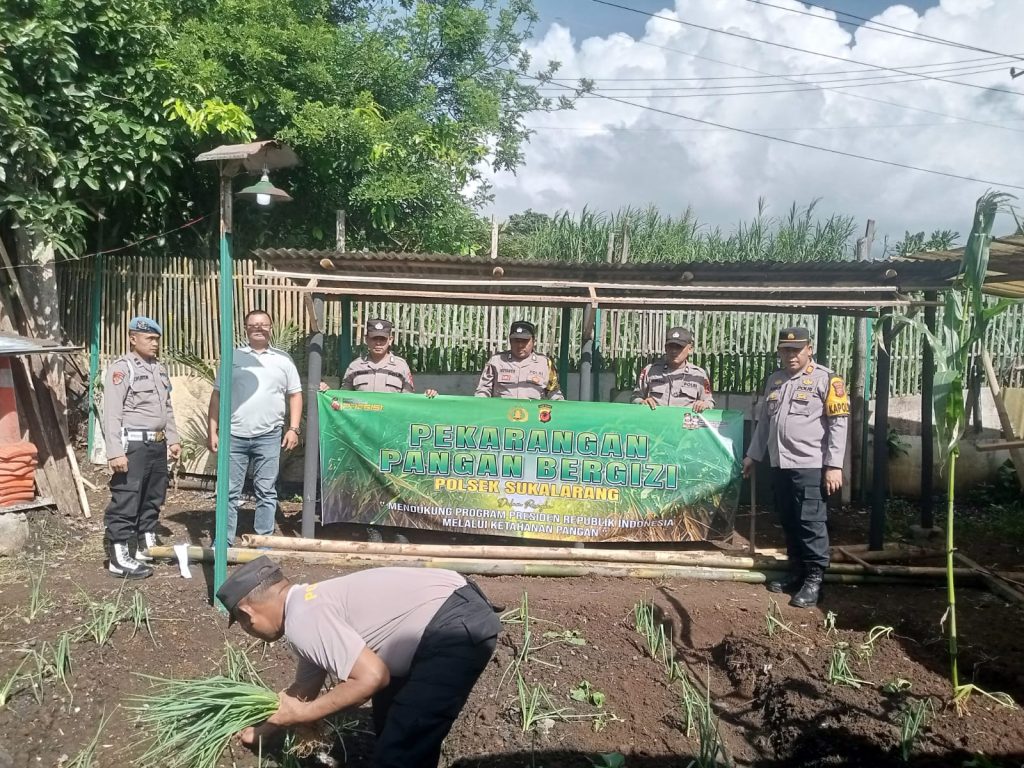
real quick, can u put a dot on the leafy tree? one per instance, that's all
(939, 240)
(394, 108)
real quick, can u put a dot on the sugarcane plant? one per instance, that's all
(965, 318)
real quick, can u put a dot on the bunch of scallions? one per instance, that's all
(188, 723)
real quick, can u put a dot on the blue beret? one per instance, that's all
(145, 325)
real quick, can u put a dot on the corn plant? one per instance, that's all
(965, 318)
(913, 718)
(839, 670)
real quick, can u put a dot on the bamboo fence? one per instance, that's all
(738, 349)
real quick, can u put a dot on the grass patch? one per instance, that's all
(914, 716)
(86, 757)
(38, 601)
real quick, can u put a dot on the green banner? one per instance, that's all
(529, 468)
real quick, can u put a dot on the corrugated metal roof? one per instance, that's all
(1005, 275)
(16, 344)
(907, 275)
(255, 155)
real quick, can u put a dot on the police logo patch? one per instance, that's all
(518, 414)
(837, 403)
(809, 369)
(790, 336)
(118, 377)
(544, 413)
(808, 381)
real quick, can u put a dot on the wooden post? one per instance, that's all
(859, 386)
(563, 348)
(345, 331)
(625, 242)
(311, 474)
(927, 438)
(610, 256)
(1004, 417)
(823, 335)
(586, 386)
(880, 473)
(494, 237)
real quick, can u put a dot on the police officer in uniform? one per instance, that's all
(801, 429)
(520, 371)
(379, 370)
(140, 433)
(675, 380)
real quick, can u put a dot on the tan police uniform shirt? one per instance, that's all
(391, 374)
(534, 378)
(136, 395)
(802, 420)
(385, 609)
(684, 385)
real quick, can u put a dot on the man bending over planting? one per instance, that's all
(414, 640)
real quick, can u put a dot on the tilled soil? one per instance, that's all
(770, 692)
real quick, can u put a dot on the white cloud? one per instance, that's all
(608, 155)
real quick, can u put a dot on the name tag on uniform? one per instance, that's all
(506, 376)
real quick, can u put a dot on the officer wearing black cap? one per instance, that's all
(412, 640)
(379, 370)
(139, 432)
(520, 371)
(801, 429)
(674, 380)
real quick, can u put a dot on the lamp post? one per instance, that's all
(232, 159)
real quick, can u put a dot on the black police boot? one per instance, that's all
(121, 563)
(810, 592)
(791, 582)
(142, 544)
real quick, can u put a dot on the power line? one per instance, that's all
(783, 129)
(800, 50)
(887, 29)
(703, 93)
(803, 145)
(922, 35)
(850, 82)
(860, 96)
(862, 70)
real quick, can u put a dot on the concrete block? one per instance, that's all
(13, 533)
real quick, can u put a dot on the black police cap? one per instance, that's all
(244, 580)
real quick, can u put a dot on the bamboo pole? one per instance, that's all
(766, 558)
(994, 581)
(552, 568)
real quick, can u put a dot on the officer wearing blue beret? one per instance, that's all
(140, 433)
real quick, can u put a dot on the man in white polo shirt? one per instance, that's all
(263, 378)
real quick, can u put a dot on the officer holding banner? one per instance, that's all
(520, 371)
(379, 370)
(674, 380)
(801, 425)
(140, 433)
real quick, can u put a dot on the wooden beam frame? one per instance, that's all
(336, 277)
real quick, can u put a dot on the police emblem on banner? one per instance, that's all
(544, 413)
(518, 414)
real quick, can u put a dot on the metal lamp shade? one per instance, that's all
(264, 193)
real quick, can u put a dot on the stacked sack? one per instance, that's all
(17, 472)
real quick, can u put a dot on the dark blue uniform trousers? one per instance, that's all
(413, 715)
(800, 501)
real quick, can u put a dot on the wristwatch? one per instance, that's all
(293, 429)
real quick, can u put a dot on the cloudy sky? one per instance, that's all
(642, 149)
